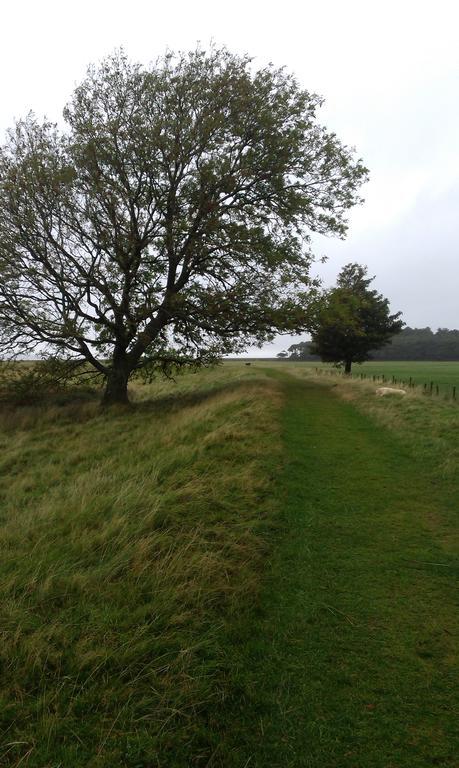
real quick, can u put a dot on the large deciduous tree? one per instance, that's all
(169, 222)
(351, 320)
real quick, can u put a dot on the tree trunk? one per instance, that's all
(347, 367)
(116, 387)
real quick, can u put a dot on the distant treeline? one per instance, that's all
(409, 344)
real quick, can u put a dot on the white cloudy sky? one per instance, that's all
(389, 72)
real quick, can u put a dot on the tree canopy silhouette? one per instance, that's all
(352, 320)
(168, 223)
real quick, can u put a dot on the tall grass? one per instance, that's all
(128, 542)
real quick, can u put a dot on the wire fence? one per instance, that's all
(428, 388)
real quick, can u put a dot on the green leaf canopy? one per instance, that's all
(169, 222)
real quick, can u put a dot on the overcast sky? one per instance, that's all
(389, 72)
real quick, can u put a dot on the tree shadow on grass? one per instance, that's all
(85, 405)
(176, 401)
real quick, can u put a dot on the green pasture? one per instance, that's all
(443, 374)
(252, 566)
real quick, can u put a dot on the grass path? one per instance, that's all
(353, 659)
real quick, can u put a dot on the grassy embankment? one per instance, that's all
(128, 544)
(151, 621)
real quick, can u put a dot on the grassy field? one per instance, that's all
(253, 566)
(443, 374)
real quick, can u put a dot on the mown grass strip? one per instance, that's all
(352, 662)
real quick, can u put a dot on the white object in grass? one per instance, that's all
(381, 391)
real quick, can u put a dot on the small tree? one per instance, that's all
(351, 320)
(169, 223)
